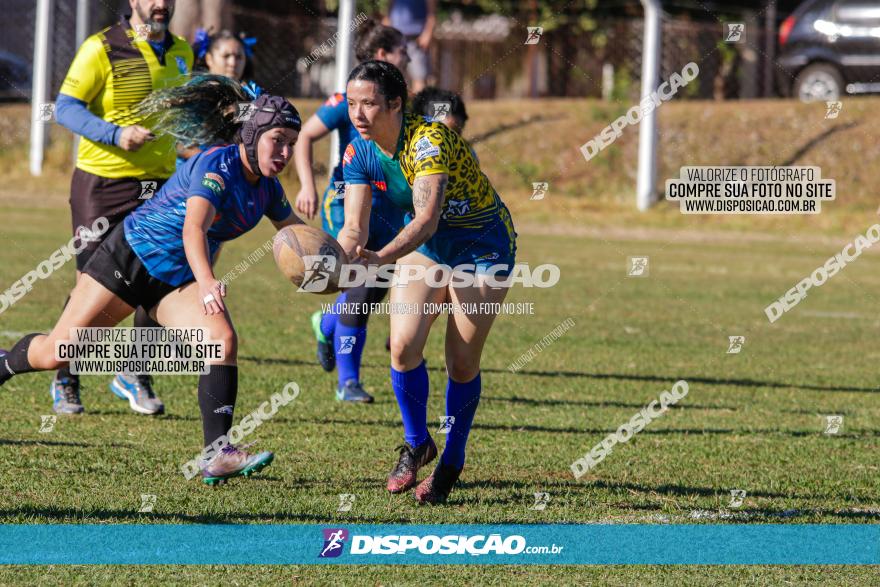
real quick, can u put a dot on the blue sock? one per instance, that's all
(349, 348)
(462, 400)
(328, 320)
(411, 389)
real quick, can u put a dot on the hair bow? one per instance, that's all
(202, 43)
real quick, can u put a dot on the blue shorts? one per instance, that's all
(482, 247)
(386, 219)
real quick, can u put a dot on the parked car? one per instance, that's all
(829, 48)
(15, 77)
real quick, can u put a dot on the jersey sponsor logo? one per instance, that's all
(214, 182)
(349, 155)
(181, 65)
(334, 100)
(380, 185)
(457, 208)
(425, 148)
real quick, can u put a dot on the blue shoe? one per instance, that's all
(326, 352)
(65, 396)
(138, 390)
(353, 391)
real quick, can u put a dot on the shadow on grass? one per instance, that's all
(360, 422)
(525, 486)
(68, 515)
(613, 376)
(477, 139)
(8, 442)
(808, 146)
(598, 404)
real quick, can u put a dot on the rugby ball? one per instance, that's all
(310, 258)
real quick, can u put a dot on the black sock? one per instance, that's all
(142, 319)
(217, 391)
(15, 361)
(64, 372)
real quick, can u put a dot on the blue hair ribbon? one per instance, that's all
(201, 43)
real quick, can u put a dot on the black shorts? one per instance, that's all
(117, 267)
(93, 197)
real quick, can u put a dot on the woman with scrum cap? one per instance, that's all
(160, 257)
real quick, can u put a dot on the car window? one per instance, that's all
(857, 12)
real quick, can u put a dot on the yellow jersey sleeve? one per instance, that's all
(88, 72)
(428, 151)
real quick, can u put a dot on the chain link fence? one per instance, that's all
(484, 57)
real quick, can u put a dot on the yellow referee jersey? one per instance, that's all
(112, 72)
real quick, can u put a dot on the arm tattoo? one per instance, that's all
(420, 194)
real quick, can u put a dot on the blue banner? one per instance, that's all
(555, 544)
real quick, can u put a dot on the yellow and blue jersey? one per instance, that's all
(472, 219)
(155, 230)
(387, 220)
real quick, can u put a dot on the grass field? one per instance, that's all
(752, 421)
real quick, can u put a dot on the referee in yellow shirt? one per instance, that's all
(119, 163)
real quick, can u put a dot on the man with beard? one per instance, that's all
(119, 164)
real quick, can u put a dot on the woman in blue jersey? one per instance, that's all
(160, 257)
(455, 220)
(331, 329)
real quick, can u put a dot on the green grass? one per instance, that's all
(751, 421)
